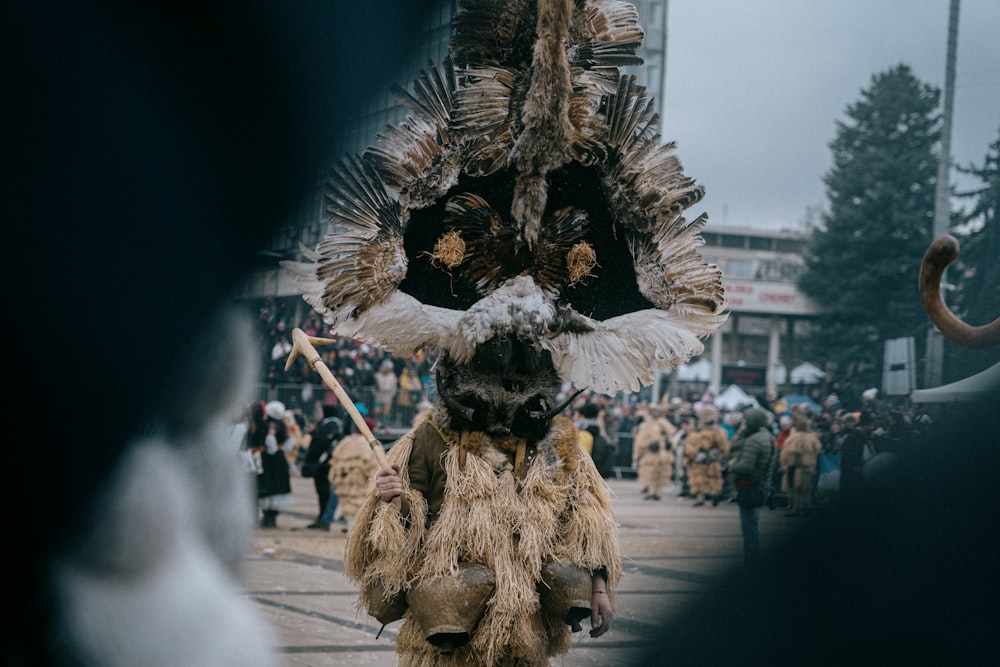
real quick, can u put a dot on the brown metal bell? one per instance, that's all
(448, 608)
(385, 609)
(565, 593)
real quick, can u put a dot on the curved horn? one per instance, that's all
(464, 411)
(549, 414)
(939, 255)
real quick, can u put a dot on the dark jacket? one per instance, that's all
(603, 453)
(316, 463)
(758, 454)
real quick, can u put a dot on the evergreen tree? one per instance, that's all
(863, 262)
(976, 272)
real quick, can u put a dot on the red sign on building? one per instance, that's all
(744, 376)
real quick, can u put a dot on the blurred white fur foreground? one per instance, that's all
(155, 581)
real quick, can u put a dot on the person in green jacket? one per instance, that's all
(753, 470)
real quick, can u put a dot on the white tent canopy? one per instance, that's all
(699, 371)
(733, 398)
(978, 387)
(806, 373)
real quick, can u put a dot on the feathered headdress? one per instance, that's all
(527, 196)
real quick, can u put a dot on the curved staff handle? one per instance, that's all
(303, 344)
(940, 254)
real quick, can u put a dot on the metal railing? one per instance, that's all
(392, 419)
(309, 399)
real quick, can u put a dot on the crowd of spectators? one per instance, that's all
(388, 389)
(857, 441)
(853, 426)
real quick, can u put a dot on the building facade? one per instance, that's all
(759, 347)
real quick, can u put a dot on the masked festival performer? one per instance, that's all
(515, 495)
(351, 469)
(526, 222)
(653, 453)
(799, 458)
(704, 450)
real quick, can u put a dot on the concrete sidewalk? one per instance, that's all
(672, 551)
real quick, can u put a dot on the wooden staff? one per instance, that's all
(303, 344)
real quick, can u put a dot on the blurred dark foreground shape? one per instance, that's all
(905, 573)
(151, 149)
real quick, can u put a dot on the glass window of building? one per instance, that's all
(739, 268)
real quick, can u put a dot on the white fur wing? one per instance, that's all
(624, 353)
(403, 325)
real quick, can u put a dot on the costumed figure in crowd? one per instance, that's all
(351, 471)
(274, 484)
(704, 450)
(653, 452)
(798, 459)
(526, 222)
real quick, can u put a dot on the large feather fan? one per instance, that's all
(527, 194)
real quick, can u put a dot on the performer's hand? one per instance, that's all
(600, 614)
(389, 483)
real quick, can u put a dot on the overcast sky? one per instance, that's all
(754, 90)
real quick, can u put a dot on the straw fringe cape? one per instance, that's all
(352, 467)
(654, 468)
(561, 512)
(705, 477)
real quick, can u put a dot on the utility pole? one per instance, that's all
(657, 375)
(942, 206)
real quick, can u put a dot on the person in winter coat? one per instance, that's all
(653, 454)
(704, 451)
(316, 464)
(857, 434)
(602, 452)
(752, 470)
(688, 423)
(387, 383)
(798, 459)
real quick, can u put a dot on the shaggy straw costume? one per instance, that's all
(799, 458)
(351, 469)
(703, 450)
(559, 512)
(654, 467)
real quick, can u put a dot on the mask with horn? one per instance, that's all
(526, 219)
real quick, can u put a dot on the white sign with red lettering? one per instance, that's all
(758, 296)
